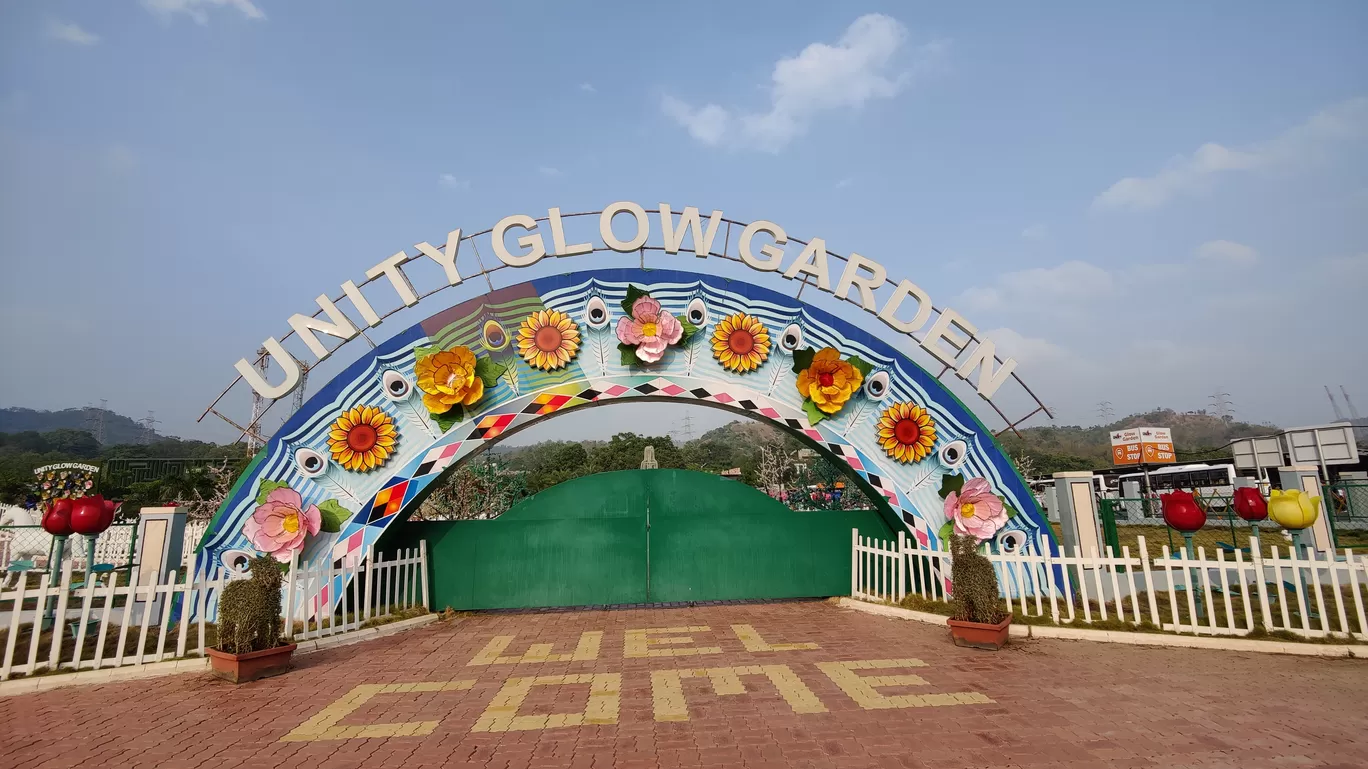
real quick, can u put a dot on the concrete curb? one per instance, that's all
(1134, 639)
(195, 664)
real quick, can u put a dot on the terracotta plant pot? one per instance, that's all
(241, 668)
(979, 635)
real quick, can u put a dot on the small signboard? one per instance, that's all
(1257, 453)
(1156, 446)
(1322, 445)
(1126, 446)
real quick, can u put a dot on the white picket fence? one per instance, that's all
(1309, 594)
(389, 586)
(114, 546)
(137, 618)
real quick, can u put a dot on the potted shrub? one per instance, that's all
(249, 627)
(979, 620)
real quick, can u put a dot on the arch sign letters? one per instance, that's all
(365, 448)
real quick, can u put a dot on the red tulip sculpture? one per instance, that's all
(1250, 504)
(91, 515)
(57, 520)
(1182, 512)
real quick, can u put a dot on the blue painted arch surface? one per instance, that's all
(688, 373)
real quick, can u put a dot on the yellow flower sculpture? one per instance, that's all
(829, 381)
(906, 432)
(741, 343)
(1293, 509)
(447, 379)
(548, 339)
(363, 438)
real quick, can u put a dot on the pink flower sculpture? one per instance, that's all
(649, 329)
(278, 526)
(976, 511)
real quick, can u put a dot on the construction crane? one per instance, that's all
(1353, 412)
(1339, 415)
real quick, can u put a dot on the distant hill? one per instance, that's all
(117, 428)
(1196, 436)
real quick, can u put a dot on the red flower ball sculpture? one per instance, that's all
(92, 515)
(1250, 504)
(1182, 512)
(57, 519)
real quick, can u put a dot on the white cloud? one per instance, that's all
(199, 9)
(1228, 252)
(820, 78)
(69, 32)
(1297, 146)
(588, 88)
(707, 124)
(1048, 288)
(451, 182)
(1035, 232)
(846, 182)
(548, 171)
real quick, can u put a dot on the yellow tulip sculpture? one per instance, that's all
(1294, 509)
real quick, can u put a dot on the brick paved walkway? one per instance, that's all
(803, 684)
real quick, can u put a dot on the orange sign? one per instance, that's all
(1156, 445)
(1125, 445)
(1142, 445)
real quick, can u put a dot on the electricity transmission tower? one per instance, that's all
(149, 424)
(94, 421)
(1221, 404)
(1105, 412)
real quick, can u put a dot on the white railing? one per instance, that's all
(877, 568)
(1308, 594)
(99, 623)
(387, 587)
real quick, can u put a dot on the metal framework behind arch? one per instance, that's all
(251, 426)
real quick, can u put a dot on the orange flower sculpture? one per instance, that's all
(827, 382)
(363, 438)
(448, 379)
(740, 343)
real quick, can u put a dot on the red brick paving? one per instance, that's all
(1056, 703)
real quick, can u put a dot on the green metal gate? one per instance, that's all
(639, 536)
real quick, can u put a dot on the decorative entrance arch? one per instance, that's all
(360, 453)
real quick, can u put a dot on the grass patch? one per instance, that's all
(403, 614)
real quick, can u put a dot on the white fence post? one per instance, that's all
(423, 570)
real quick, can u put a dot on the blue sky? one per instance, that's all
(1144, 204)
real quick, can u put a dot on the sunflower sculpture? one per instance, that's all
(363, 438)
(740, 343)
(907, 432)
(548, 339)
